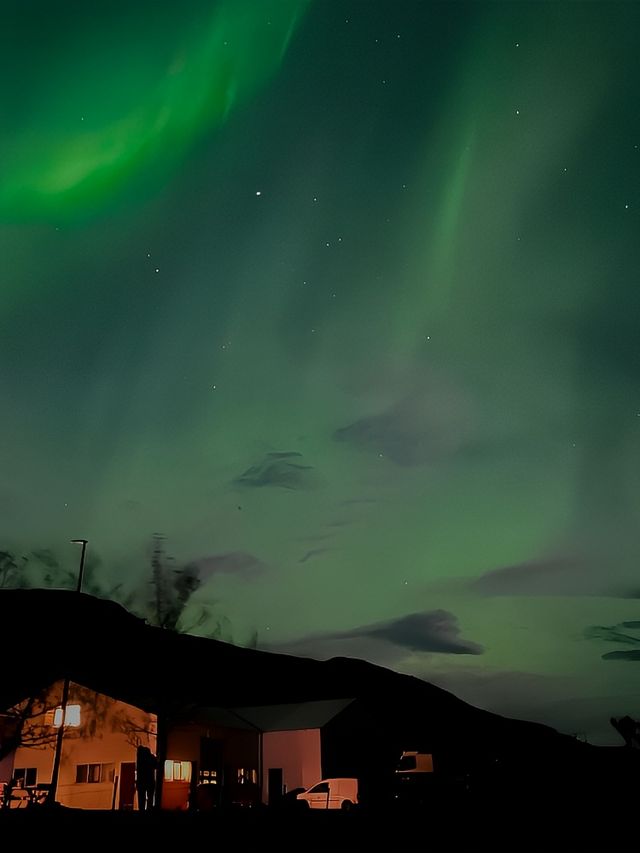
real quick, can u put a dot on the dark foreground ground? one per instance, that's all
(542, 827)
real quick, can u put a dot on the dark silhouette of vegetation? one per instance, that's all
(171, 604)
(12, 571)
(628, 729)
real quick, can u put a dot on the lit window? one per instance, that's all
(177, 771)
(208, 777)
(71, 717)
(246, 776)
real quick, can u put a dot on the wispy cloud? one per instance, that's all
(238, 563)
(430, 422)
(283, 470)
(618, 634)
(546, 576)
(314, 552)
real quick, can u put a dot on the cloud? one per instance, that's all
(630, 655)
(612, 634)
(547, 576)
(433, 631)
(130, 505)
(629, 593)
(571, 571)
(429, 631)
(238, 563)
(314, 552)
(620, 635)
(430, 422)
(280, 470)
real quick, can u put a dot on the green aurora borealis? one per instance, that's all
(342, 298)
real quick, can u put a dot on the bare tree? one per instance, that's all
(173, 591)
(12, 570)
(170, 606)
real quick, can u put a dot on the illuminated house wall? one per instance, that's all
(297, 753)
(292, 739)
(222, 752)
(99, 748)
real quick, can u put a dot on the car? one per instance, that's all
(331, 794)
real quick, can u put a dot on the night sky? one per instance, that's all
(341, 298)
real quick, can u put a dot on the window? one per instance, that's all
(407, 762)
(208, 777)
(94, 773)
(247, 776)
(322, 788)
(71, 717)
(177, 771)
(25, 776)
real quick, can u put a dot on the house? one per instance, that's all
(230, 714)
(214, 756)
(98, 757)
(294, 750)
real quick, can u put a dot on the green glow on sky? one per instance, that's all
(353, 296)
(137, 106)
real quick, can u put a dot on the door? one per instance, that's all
(127, 785)
(318, 796)
(275, 785)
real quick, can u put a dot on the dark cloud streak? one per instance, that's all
(277, 470)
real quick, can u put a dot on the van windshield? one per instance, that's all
(407, 762)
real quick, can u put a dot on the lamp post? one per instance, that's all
(84, 543)
(55, 772)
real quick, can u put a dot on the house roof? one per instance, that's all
(292, 716)
(215, 716)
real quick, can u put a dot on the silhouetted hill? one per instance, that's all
(47, 634)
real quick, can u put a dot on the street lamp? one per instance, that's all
(84, 543)
(55, 772)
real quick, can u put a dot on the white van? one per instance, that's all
(331, 794)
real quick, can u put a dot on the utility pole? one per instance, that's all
(53, 788)
(157, 579)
